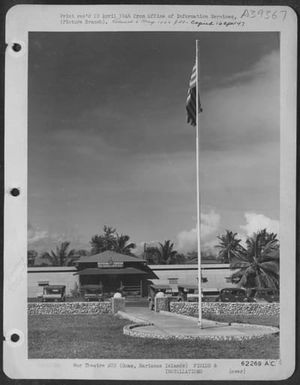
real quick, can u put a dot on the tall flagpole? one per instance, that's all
(198, 191)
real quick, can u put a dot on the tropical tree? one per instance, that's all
(104, 241)
(77, 254)
(266, 237)
(111, 240)
(81, 253)
(192, 257)
(61, 256)
(208, 254)
(122, 244)
(166, 252)
(257, 265)
(179, 258)
(151, 254)
(229, 245)
(31, 257)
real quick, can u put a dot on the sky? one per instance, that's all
(108, 141)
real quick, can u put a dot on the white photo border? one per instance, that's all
(23, 19)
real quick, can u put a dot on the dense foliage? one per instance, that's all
(111, 240)
(257, 264)
(254, 264)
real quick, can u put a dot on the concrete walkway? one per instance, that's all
(165, 325)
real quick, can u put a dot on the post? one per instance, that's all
(198, 191)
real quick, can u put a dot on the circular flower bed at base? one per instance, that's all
(234, 332)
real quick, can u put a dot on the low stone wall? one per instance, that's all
(226, 308)
(65, 308)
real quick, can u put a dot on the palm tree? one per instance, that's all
(151, 254)
(81, 253)
(229, 245)
(111, 240)
(61, 256)
(166, 252)
(257, 265)
(122, 246)
(104, 241)
(31, 257)
(179, 258)
(265, 236)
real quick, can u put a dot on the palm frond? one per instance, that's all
(270, 266)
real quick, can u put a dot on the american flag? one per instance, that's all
(191, 99)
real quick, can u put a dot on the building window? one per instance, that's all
(43, 283)
(173, 281)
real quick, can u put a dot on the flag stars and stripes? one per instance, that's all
(191, 99)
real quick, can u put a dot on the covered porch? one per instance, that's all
(129, 280)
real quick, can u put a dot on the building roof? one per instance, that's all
(51, 269)
(55, 287)
(158, 286)
(97, 271)
(186, 266)
(108, 257)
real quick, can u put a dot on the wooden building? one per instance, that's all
(113, 271)
(216, 275)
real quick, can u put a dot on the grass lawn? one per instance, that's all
(101, 336)
(251, 319)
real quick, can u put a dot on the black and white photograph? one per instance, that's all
(156, 198)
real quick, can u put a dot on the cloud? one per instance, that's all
(209, 223)
(42, 240)
(256, 222)
(267, 65)
(139, 249)
(240, 135)
(36, 235)
(244, 111)
(187, 239)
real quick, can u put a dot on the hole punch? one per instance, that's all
(14, 337)
(16, 47)
(15, 192)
